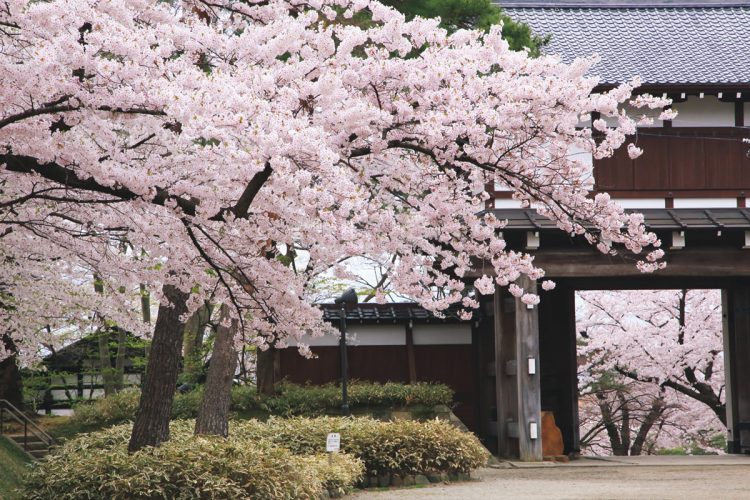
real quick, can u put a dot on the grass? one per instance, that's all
(13, 464)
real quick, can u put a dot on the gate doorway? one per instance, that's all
(527, 358)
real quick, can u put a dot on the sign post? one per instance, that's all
(333, 444)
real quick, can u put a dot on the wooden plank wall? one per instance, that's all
(680, 159)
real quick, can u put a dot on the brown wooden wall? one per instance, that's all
(679, 159)
(448, 364)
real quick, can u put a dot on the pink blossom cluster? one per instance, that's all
(239, 149)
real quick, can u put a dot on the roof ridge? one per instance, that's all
(620, 4)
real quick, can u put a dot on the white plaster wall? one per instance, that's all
(437, 334)
(706, 112)
(579, 154)
(507, 203)
(641, 202)
(384, 334)
(357, 334)
(705, 202)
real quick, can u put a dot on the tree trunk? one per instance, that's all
(610, 425)
(656, 411)
(105, 363)
(151, 426)
(213, 415)
(122, 352)
(625, 425)
(192, 364)
(265, 371)
(106, 372)
(11, 384)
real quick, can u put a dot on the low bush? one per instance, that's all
(401, 447)
(295, 399)
(186, 467)
(290, 400)
(113, 409)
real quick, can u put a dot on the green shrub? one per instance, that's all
(290, 400)
(279, 458)
(113, 409)
(186, 405)
(120, 407)
(186, 467)
(402, 446)
(339, 472)
(245, 398)
(293, 399)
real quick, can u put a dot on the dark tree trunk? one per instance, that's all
(656, 411)
(106, 372)
(122, 351)
(265, 371)
(192, 365)
(610, 425)
(213, 415)
(11, 384)
(625, 425)
(151, 426)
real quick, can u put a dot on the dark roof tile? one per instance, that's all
(667, 44)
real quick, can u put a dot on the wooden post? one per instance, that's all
(529, 389)
(410, 358)
(505, 384)
(736, 313)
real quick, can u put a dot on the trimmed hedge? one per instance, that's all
(293, 399)
(397, 447)
(290, 400)
(186, 467)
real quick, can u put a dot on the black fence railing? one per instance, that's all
(21, 429)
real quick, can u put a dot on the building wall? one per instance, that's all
(698, 160)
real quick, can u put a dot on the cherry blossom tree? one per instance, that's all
(209, 138)
(654, 368)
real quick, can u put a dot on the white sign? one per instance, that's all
(333, 442)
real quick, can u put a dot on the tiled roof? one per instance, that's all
(664, 43)
(655, 218)
(387, 313)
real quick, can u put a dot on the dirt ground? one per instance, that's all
(700, 481)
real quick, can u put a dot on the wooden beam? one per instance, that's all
(688, 262)
(529, 388)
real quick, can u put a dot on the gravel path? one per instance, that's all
(713, 482)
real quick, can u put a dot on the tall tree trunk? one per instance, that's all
(122, 352)
(11, 384)
(151, 426)
(105, 363)
(192, 364)
(656, 411)
(625, 425)
(106, 372)
(265, 371)
(610, 425)
(213, 415)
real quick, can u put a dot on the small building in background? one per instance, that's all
(74, 372)
(399, 342)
